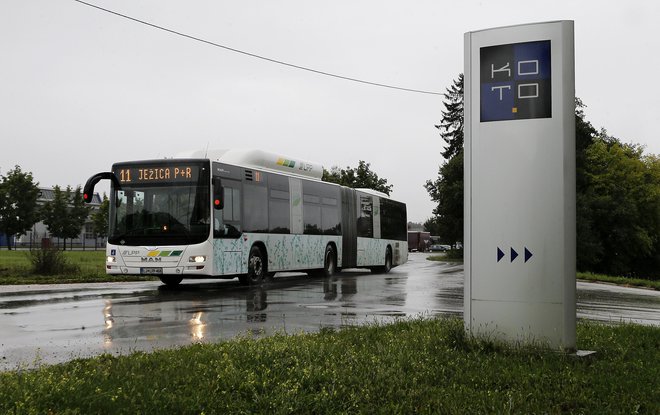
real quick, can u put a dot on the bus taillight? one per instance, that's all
(218, 194)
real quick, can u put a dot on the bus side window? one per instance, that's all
(365, 222)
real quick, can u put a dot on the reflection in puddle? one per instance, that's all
(205, 311)
(197, 326)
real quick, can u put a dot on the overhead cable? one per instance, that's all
(253, 55)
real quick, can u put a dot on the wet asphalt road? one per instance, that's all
(52, 324)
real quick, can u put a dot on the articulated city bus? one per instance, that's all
(245, 214)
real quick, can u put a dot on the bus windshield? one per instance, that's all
(161, 212)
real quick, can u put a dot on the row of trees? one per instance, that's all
(618, 195)
(360, 177)
(64, 215)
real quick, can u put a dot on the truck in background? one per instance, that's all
(419, 241)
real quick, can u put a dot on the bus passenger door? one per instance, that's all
(227, 243)
(348, 228)
(297, 225)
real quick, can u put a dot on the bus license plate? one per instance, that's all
(151, 270)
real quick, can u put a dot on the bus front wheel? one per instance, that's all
(171, 281)
(256, 268)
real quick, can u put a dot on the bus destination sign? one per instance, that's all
(157, 174)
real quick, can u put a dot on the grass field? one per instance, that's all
(15, 268)
(421, 366)
(633, 282)
(588, 276)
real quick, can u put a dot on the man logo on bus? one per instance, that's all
(516, 81)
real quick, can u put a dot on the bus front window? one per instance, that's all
(160, 215)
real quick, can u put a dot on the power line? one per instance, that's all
(253, 55)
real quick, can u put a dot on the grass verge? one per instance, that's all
(632, 282)
(588, 276)
(16, 269)
(447, 256)
(420, 366)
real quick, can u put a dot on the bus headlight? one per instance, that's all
(198, 258)
(111, 259)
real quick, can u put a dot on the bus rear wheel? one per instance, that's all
(256, 268)
(388, 263)
(329, 264)
(329, 261)
(171, 281)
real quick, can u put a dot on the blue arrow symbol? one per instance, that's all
(500, 254)
(514, 254)
(528, 254)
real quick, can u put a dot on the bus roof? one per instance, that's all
(259, 159)
(372, 192)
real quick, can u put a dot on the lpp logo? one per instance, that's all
(516, 81)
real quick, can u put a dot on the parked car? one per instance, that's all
(439, 248)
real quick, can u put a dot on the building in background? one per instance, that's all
(39, 235)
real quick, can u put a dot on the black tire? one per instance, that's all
(384, 269)
(256, 268)
(171, 281)
(388, 261)
(329, 262)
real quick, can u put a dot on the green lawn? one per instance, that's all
(636, 282)
(421, 366)
(15, 268)
(588, 276)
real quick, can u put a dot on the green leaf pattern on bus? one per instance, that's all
(285, 252)
(228, 256)
(294, 252)
(372, 251)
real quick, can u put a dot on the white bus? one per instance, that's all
(245, 214)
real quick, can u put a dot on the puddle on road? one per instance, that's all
(46, 326)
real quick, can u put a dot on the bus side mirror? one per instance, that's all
(218, 194)
(88, 190)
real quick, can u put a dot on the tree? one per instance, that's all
(447, 192)
(18, 203)
(620, 209)
(451, 126)
(651, 266)
(65, 215)
(360, 177)
(78, 213)
(100, 218)
(447, 189)
(589, 249)
(415, 226)
(431, 226)
(54, 213)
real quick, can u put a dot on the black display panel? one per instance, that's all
(516, 81)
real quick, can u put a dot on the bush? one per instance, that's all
(51, 261)
(456, 254)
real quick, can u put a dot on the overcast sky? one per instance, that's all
(81, 89)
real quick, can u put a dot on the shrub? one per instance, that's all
(456, 254)
(50, 261)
